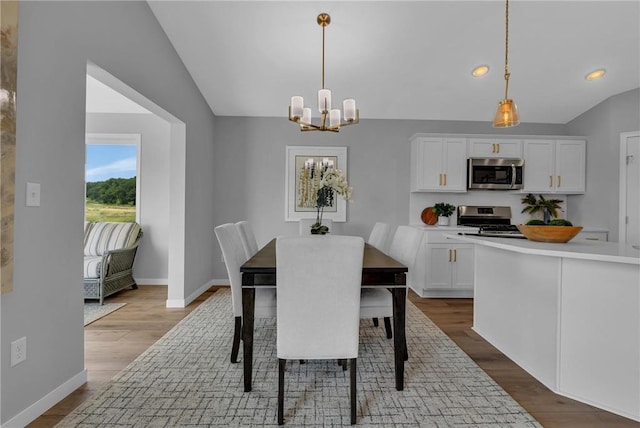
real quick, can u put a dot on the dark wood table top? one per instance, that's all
(264, 261)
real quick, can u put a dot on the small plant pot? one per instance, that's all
(443, 221)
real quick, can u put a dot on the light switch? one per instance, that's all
(33, 194)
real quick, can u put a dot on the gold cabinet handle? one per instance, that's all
(551, 181)
(498, 148)
(493, 148)
(439, 179)
(455, 255)
(592, 239)
(445, 179)
(449, 256)
(559, 180)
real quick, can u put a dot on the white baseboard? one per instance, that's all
(152, 281)
(183, 303)
(34, 411)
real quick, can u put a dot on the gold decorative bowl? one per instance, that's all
(554, 234)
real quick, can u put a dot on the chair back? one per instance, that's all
(405, 244)
(234, 256)
(318, 296)
(249, 242)
(379, 236)
(306, 223)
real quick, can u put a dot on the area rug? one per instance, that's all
(186, 380)
(95, 311)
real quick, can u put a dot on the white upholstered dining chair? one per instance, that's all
(379, 236)
(249, 242)
(319, 281)
(377, 302)
(234, 256)
(306, 223)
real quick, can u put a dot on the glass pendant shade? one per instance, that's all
(507, 114)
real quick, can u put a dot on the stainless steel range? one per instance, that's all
(490, 221)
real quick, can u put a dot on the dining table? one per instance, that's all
(378, 270)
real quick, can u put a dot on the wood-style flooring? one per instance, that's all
(114, 341)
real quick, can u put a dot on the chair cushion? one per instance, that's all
(105, 237)
(92, 266)
(375, 302)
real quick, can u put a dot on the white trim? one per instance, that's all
(35, 410)
(152, 281)
(622, 209)
(128, 139)
(183, 303)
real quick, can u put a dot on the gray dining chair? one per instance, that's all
(319, 281)
(306, 223)
(249, 242)
(377, 302)
(234, 256)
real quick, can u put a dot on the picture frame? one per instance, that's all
(299, 199)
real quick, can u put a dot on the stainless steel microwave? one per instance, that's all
(495, 173)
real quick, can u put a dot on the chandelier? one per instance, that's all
(302, 115)
(507, 114)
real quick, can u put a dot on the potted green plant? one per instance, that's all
(443, 210)
(548, 207)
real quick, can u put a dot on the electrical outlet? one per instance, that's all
(18, 351)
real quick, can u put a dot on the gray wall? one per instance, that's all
(151, 260)
(250, 170)
(56, 39)
(602, 125)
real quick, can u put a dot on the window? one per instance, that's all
(112, 177)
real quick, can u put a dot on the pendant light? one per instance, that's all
(507, 114)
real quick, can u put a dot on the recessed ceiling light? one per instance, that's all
(480, 71)
(596, 74)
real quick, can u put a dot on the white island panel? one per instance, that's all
(518, 295)
(600, 335)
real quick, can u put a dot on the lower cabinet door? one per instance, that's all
(462, 268)
(439, 259)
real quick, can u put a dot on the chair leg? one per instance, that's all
(281, 365)
(406, 349)
(236, 339)
(375, 322)
(353, 382)
(387, 327)
(343, 363)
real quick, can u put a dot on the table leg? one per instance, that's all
(248, 307)
(399, 338)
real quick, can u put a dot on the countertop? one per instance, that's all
(615, 252)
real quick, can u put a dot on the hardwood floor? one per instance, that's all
(114, 341)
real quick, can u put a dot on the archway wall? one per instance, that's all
(45, 306)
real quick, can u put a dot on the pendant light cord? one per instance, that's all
(506, 51)
(323, 28)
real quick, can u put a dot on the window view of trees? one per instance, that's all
(119, 191)
(110, 176)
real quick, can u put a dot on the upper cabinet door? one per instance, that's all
(539, 171)
(570, 166)
(554, 166)
(495, 148)
(455, 165)
(427, 155)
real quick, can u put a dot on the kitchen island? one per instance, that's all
(569, 314)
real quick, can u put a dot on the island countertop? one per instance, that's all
(587, 250)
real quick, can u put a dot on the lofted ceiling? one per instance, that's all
(407, 59)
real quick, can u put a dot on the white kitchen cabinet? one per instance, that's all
(554, 166)
(438, 164)
(495, 148)
(443, 268)
(592, 235)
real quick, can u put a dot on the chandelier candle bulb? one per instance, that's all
(334, 117)
(324, 100)
(297, 103)
(306, 115)
(349, 107)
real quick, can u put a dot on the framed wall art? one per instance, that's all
(302, 183)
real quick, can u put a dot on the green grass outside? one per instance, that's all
(95, 211)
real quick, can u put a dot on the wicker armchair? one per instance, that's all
(110, 250)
